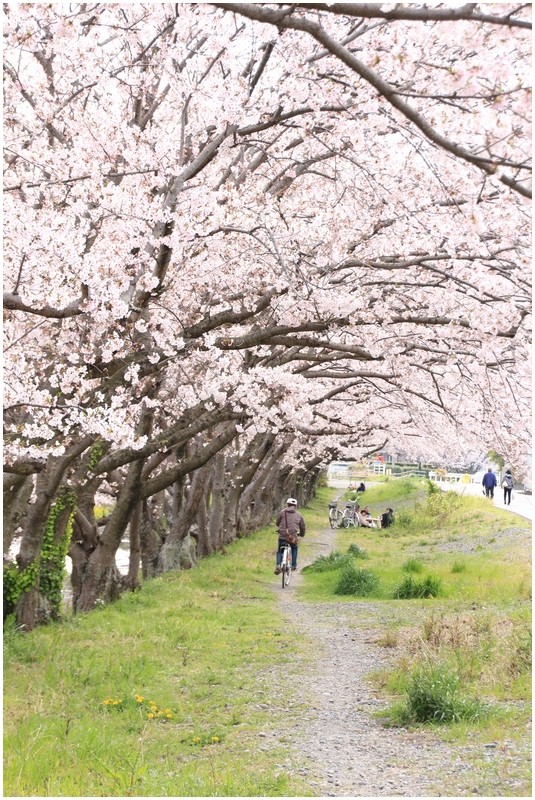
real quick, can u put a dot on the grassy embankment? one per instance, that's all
(200, 646)
(207, 647)
(464, 655)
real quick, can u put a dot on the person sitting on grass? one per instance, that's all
(365, 518)
(368, 520)
(387, 519)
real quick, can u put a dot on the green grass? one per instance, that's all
(334, 560)
(462, 657)
(387, 492)
(450, 522)
(433, 694)
(357, 582)
(197, 645)
(409, 588)
(204, 643)
(412, 565)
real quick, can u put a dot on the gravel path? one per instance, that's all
(348, 752)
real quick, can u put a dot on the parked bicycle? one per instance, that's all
(335, 515)
(286, 564)
(350, 516)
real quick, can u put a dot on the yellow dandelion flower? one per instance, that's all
(150, 716)
(138, 697)
(169, 716)
(215, 738)
(197, 739)
(167, 710)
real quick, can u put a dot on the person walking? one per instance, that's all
(489, 482)
(290, 525)
(508, 486)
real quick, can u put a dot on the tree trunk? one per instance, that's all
(17, 492)
(101, 579)
(46, 487)
(85, 536)
(255, 507)
(132, 578)
(204, 545)
(154, 528)
(217, 505)
(179, 550)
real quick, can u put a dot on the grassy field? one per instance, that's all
(161, 694)
(464, 656)
(172, 691)
(462, 541)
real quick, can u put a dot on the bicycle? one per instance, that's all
(335, 515)
(286, 564)
(349, 516)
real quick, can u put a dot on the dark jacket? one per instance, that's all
(387, 519)
(291, 519)
(489, 480)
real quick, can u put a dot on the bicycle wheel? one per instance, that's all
(332, 519)
(287, 573)
(284, 564)
(345, 521)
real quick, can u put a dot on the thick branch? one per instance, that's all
(422, 14)
(14, 303)
(283, 19)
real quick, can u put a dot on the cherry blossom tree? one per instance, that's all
(242, 240)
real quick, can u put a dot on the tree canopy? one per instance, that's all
(247, 229)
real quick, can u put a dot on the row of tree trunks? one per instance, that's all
(230, 495)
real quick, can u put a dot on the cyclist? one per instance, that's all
(290, 525)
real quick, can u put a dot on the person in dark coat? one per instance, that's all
(387, 519)
(489, 482)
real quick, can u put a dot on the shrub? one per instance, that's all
(521, 655)
(404, 519)
(409, 588)
(389, 639)
(433, 695)
(443, 503)
(360, 582)
(334, 560)
(412, 565)
(357, 551)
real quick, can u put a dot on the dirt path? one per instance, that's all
(347, 751)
